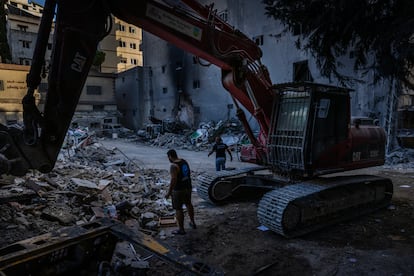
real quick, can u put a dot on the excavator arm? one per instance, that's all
(81, 25)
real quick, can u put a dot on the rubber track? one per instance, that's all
(273, 205)
(207, 180)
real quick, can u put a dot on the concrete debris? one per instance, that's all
(86, 184)
(200, 139)
(403, 157)
(160, 133)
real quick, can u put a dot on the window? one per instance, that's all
(121, 28)
(196, 84)
(25, 44)
(132, 45)
(258, 40)
(123, 60)
(301, 71)
(164, 90)
(163, 69)
(122, 43)
(49, 46)
(134, 61)
(132, 30)
(323, 108)
(25, 7)
(13, 4)
(22, 28)
(1, 85)
(93, 90)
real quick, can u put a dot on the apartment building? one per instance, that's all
(121, 47)
(23, 19)
(97, 102)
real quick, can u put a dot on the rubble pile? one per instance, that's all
(402, 157)
(90, 181)
(201, 139)
(86, 185)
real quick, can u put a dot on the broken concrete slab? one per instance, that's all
(78, 183)
(61, 214)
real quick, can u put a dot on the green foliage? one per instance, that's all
(99, 58)
(4, 46)
(382, 29)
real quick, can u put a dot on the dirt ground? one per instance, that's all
(228, 237)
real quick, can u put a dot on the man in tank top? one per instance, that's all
(180, 190)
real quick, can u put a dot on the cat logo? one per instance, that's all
(78, 62)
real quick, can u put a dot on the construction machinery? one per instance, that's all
(305, 134)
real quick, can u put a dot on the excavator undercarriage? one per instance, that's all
(293, 208)
(310, 138)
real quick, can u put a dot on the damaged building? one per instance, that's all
(177, 85)
(147, 79)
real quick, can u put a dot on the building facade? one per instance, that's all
(121, 47)
(23, 20)
(97, 103)
(12, 90)
(129, 86)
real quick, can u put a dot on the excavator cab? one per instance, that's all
(312, 134)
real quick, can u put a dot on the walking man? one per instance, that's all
(220, 148)
(180, 190)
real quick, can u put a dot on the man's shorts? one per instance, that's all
(181, 197)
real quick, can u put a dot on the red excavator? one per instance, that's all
(305, 134)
